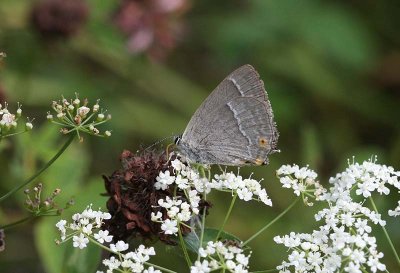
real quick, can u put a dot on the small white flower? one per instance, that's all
(156, 217)
(151, 270)
(83, 111)
(103, 236)
(181, 182)
(28, 126)
(169, 226)
(61, 227)
(200, 267)
(80, 241)
(177, 165)
(7, 119)
(112, 263)
(164, 179)
(87, 229)
(119, 246)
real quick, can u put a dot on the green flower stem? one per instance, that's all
(265, 271)
(203, 223)
(102, 246)
(160, 267)
(28, 218)
(386, 233)
(202, 172)
(272, 222)
(23, 220)
(185, 252)
(13, 134)
(227, 216)
(48, 164)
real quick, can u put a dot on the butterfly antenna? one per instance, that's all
(167, 149)
(159, 141)
(156, 143)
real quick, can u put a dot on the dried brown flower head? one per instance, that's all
(59, 18)
(133, 197)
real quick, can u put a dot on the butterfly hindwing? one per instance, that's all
(234, 125)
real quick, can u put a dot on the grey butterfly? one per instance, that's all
(234, 126)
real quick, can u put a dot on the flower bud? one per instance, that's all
(96, 107)
(28, 126)
(83, 111)
(100, 117)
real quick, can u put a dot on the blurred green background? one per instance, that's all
(331, 69)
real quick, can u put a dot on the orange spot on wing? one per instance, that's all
(259, 161)
(263, 142)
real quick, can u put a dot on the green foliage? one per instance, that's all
(330, 69)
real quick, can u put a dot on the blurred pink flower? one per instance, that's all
(153, 26)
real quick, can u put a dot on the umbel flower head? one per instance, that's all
(344, 241)
(134, 201)
(9, 121)
(75, 116)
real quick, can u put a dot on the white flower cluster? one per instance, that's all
(83, 225)
(187, 178)
(85, 228)
(343, 243)
(9, 121)
(365, 178)
(218, 256)
(302, 181)
(178, 212)
(246, 189)
(133, 261)
(332, 251)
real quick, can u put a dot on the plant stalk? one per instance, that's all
(47, 165)
(227, 216)
(386, 233)
(270, 223)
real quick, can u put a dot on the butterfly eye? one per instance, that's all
(177, 139)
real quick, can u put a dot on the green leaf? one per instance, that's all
(81, 260)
